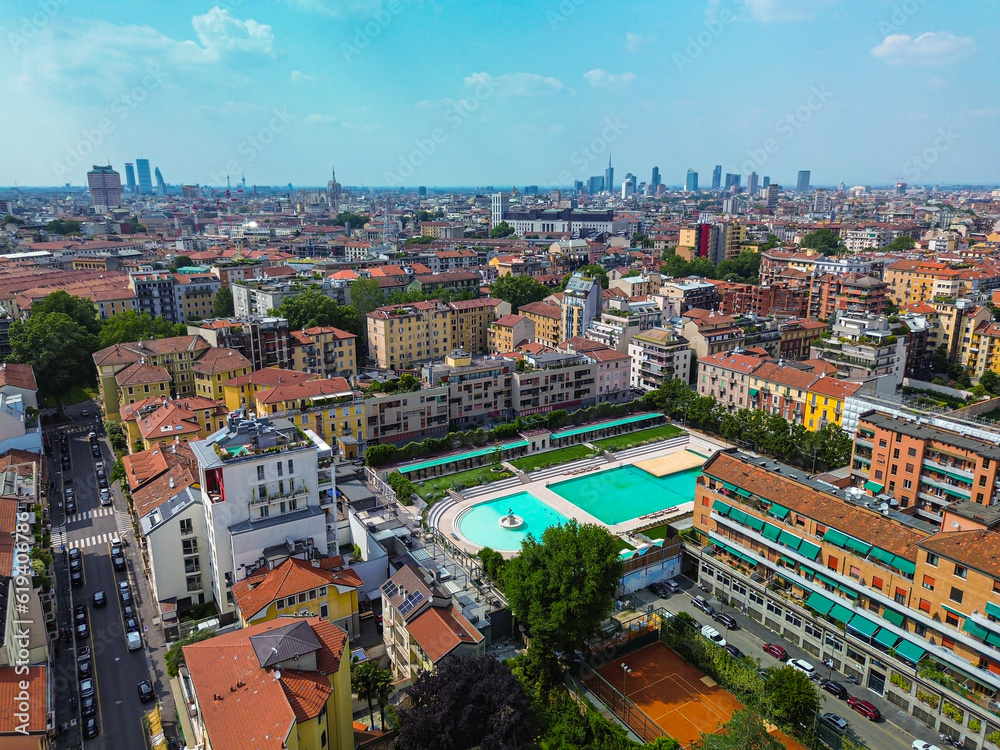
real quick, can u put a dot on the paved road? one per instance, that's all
(117, 670)
(751, 636)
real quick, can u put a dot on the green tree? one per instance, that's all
(80, 309)
(519, 290)
(501, 230)
(902, 243)
(791, 698)
(181, 261)
(369, 682)
(991, 382)
(666, 743)
(825, 240)
(563, 586)
(11, 219)
(133, 326)
(355, 220)
(59, 351)
(591, 271)
(745, 730)
(493, 564)
(311, 308)
(366, 295)
(940, 361)
(175, 654)
(222, 305)
(64, 227)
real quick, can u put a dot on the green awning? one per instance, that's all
(754, 523)
(992, 609)
(827, 581)
(958, 477)
(975, 629)
(789, 539)
(820, 603)
(910, 651)
(835, 537)
(788, 560)
(753, 391)
(730, 487)
(894, 617)
(882, 555)
(848, 592)
(738, 515)
(778, 511)
(863, 625)
(993, 638)
(953, 610)
(903, 565)
(858, 546)
(886, 638)
(874, 486)
(840, 613)
(743, 492)
(771, 531)
(721, 508)
(808, 549)
(956, 493)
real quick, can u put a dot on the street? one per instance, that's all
(750, 638)
(116, 670)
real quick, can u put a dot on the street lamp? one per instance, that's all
(626, 671)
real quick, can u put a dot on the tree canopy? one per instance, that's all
(471, 702)
(133, 326)
(791, 697)
(61, 226)
(369, 682)
(501, 230)
(355, 220)
(901, 243)
(223, 305)
(313, 308)
(592, 270)
(825, 240)
(745, 730)
(744, 269)
(59, 351)
(519, 290)
(79, 309)
(366, 295)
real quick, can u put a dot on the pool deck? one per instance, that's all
(448, 521)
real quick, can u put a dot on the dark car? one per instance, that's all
(128, 611)
(76, 578)
(131, 625)
(83, 668)
(100, 599)
(76, 565)
(75, 554)
(65, 462)
(834, 688)
(80, 613)
(88, 707)
(660, 590)
(83, 653)
(146, 691)
(123, 586)
(118, 562)
(863, 707)
(728, 620)
(733, 651)
(125, 596)
(116, 548)
(63, 447)
(82, 631)
(95, 450)
(87, 687)
(778, 652)
(90, 727)
(70, 507)
(102, 482)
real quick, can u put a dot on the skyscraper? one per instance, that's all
(732, 180)
(717, 177)
(161, 186)
(691, 184)
(766, 183)
(655, 179)
(802, 184)
(130, 177)
(595, 184)
(772, 196)
(105, 188)
(609, 176)
(752, 183)
(145, 178)
(498, 208)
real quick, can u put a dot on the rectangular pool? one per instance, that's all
(626, 493)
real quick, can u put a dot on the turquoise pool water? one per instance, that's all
(622, 494)
(481, 525)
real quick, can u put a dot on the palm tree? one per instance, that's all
(383, 689)
(364, 682)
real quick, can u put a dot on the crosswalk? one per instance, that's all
(58, 537)
(124, 522)
(92, 541)
(96, 513)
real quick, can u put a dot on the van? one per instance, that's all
(134, 640)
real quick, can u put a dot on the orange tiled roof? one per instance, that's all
(220, 359)
(440, 630)
(17, 376)
(293, 576)
(156, 492)
(37, 690)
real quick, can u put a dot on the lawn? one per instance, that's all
(432, 490)
(657, 532)
(550, 458)
(632, 439)
(75, 396)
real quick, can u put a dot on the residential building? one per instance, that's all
(825, 402)
(508, 332)
(621, 320)
(105, 185)
(266, 342)
(677, 296)
(709, 333)
(479, 388)
(547, 318)
(327, 406)
(155, 294)
(657, 356)
(442, 230)
(781, 390)
(848, 294)
(582, 302)
(240, 393)
(19, 380)
(215, 367)
(326, 351)
(454, 283)
(157, 418)
(401, 418)
(862, 348)
(556, 380)
(471, 321)
(914, 281)
(726, 377)
(195, 295)
(612, 373)
(257, 297)
(984, 349)
(422, 627)
(282, 683)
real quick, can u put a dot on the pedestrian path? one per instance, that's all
(92, 541)
(96, 513)
(123, 521)
(58, 537)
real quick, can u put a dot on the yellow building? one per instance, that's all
(325, 351)
(508, 331)
(825, 402)
(138, 382)
(984, 349)
(216, 367)
(156, 419)
(323, 588)
(241, 392)
(547, 317)
(282, 684)
(327, 406)
(914, 281)
(471, 321)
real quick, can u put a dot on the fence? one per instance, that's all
(631, 715)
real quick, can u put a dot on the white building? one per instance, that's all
(658, 355)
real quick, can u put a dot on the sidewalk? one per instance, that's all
(63, 654)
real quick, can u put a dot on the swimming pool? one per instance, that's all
(481, 524)
(628, 492)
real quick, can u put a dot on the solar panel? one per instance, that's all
(389, 589)
(410, 602)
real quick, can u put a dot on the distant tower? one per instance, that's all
(802, 184)
(130, 177)
(498, 206)
(752, 183)
(333, 192)
(766, 183)
(691, 184)
(717, 177)
(145, 179)
(609, 176)
(772, 196)
(161, 186)
(655, 179)
(105, 188)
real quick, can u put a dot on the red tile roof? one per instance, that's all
(11, 688)
(440, 630)
(220, 359)
(17, 376)
(294, 576)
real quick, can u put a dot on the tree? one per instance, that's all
(493, 564)
(355, 220)
(133, 326)
(825, 240)
(311, 308)
(519, 290)
(901, 243)
(80, 309)
(564, 586)
(369, 682)
(366, 295)
(175, 654)
(501, 230)
(940, 361)
(592, 271)
(471, 702)
(991, 382)
(11, 219)
(745, 730)
(181, 261)
(59, 226)
(667, 743)
(791, 697)
(58, 350)
(223, 306)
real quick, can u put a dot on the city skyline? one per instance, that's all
(279, 92)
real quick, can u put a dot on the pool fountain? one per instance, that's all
(511, 521)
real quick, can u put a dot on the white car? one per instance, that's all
(134, 640)
(714, 636)
(921, 745)
(803, 666)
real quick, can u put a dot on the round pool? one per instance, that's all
(481, 523)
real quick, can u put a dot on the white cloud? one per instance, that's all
(515, 84)
(635, 42)
(985, 112)
(219, 30)
(299, 77)
(318, 119)
(785, 10)
(556, 128)
(339, 8)
(930, 48)
(600, 78)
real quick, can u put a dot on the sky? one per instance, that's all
(402, 93)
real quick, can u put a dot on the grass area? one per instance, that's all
(78, 394)
(632, 439)
(432, 490)
(622, 544)
(657, 532)
(550, 458)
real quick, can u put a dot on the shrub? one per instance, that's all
(929, 698)
(901, 682)
(975, 724)
(402, 486)
(953, 712)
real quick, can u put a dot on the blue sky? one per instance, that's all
(441, 92)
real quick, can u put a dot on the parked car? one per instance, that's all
(80, 613)
(85, 413)
(65, 462)
(673, 587)
(921, 745)
(99, 467)
(125, 596)
(713, 635)
(90, 727)
(834, 688)
(803, 666)
(131, 625)
(133, 640)
(95, 450)
(82, 631)
(128, 611)
(865, 708)
(118, 562)
(116, 547)
(70, 506)
(146, 693)
(123, 587)
(76, 565)
(87, 687)
(76, 578)
(105, 496)
(100, 598)
(102, 482)
(83, 653)
(83, 668)
(733, 651)
(728, 620)
(778, 652)
(702, 603)
(659, 589)
(88, 707)
(74, 554)
(836, 722)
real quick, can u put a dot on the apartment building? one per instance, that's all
(264, 500)
(777, 262)
(442, 230)
(657, 356)
(479, 388)
(850, 294)
(325, 351)
(779, 298)
(401, 418)
(327, 406)
(726, 377)
(863, 348)
(157, 418)
(582, 302)
(952, 325)
(556, 380)
(866, 238)
(776, 389)
(825, 402)
(266, 342)
(984, 349)
(914, 281)
(215, 367)
(195, 295)
(710, 333)
(257, 297)
(471, 320)
(547, 317)
(450, 282)
(904, 609)
(155, 294)
(925, 466)
(612, 374)
(507, 332)
(621, 321)
(678, 296)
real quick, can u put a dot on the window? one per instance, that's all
(878, 473)
(834, 643)
(855, 572)
(996, 587)
(956, 595)
(189, 546)
(290, 466)
(194, 583)
(948, 643)
(756, 598)
(312, 594)
(812, 630)
(928, 583)
(950, 619)
(877, 583)
(261, 491)
(793, 619)
(895, 453)
(892, 470)
(982, 480)
(832, 563)
(772, 607)
(909, 468)
(961, 572)
(882, 443)
(265, 511)
(919, 629)
(192, 565)
(932, 559)
(302, 598)
(900, 596)
(855, 655)
(925, 606)
(911, 452)
(187, 526)
(260, 473)
(280, 469)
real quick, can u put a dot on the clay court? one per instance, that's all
(676, 696)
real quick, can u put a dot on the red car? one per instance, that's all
(776, 651)
(863, 707)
